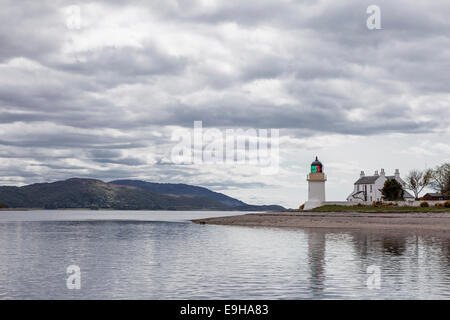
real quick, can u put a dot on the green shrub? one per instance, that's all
(302, 207)
(424, 204)
(392, 190)
(447, 204)
(3, 206)
(438, 204)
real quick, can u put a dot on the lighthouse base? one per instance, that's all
(311, 204)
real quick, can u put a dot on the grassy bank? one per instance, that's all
(333, 208)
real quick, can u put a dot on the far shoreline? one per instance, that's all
(438, 222)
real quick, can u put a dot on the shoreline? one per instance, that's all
(417, 221)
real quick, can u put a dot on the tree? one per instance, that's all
(417, 180)
(3, 206)
(440, 180)
(392, 190)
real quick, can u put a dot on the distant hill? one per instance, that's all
(181, 189)
(91, 193)
(190, 190)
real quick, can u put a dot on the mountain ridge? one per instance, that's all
(121, 195)
(180, 189)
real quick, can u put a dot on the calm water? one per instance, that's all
(161, 255)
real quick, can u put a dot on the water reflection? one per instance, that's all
(413, 265)
(394, 246)
(316, 261)
(161, 260)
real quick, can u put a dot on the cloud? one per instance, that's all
(102, 100)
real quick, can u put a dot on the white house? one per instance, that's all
(368, 188)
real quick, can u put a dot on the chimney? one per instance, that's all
(362, 174)
(382, 172)
(397, 173)
(376, 172)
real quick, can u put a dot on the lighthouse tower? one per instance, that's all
(316, 186)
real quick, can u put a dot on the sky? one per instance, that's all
(97, 88)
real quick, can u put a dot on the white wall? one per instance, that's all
(316, 191)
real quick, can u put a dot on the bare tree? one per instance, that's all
(440, 180)
(416, 180)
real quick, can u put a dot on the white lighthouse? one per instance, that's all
(316, 186)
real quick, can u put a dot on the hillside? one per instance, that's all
(91, 193)
(190, 190)
(181, 189)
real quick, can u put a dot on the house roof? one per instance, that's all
(372, 179)
(406, 194)
(367, 180)
(435, 194)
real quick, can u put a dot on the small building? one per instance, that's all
(435, 196)
(369, 188)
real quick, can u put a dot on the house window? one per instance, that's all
(370, 190)
(357, 187)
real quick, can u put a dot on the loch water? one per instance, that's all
(162, 255)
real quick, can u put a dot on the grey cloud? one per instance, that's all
(105, 153)
(31, 29)
(99, 102)
(58, 167)
(128, 161)
(229, 185)
(112, 66)
(71, 140)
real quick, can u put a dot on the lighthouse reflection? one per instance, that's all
(316, 261)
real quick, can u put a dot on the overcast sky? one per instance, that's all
(101, 98)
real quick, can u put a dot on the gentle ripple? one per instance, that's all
(161, 255)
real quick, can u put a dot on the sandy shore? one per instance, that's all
(340, 220)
